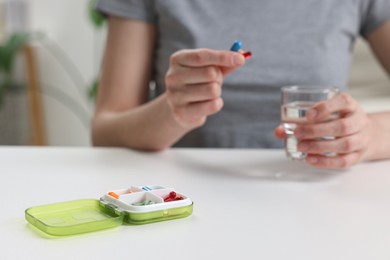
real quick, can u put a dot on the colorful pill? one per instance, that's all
(144, 203)
(237, 45)
(113, 194)
(247, 54)
(171, 196)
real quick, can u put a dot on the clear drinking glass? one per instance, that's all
(296, 100)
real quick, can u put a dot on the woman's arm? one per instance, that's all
(360, 136)
(379, 41)
(123, 88)
(124, 117)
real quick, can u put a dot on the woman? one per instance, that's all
(206, 96)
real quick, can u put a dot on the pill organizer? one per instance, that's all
(132, 206)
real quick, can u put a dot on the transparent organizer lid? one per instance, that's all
(73, 217)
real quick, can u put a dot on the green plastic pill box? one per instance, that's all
(134, 206)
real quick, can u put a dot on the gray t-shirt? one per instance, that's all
(306, 42)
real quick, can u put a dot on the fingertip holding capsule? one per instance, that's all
(238, 60)
(237, 46)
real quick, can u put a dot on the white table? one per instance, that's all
(249, 204)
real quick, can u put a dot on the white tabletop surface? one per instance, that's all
(248, 204)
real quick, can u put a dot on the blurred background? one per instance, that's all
(50, 55)
(62, 60)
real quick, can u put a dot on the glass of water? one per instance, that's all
(296, 100)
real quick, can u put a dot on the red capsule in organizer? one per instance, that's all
(172, 196)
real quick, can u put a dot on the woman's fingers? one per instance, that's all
(279, 132)
(336, 133)
(207, 57)
(341, 161)
(196, 93)
(344, 126)
(347, 144)
(341, 103)
(194, 83)
(186, 76)
(195, 114)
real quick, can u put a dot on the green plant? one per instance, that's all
(16, 41)
(93, 88)
(8, 53)
(98, 20)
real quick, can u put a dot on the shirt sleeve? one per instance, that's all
(375, 13)
(131, 9)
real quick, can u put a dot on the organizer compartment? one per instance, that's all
(122, 192)
(128, 201)
(163, 193)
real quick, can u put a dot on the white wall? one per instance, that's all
(369, 83)
(66, 23)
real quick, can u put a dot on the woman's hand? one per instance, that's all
(352, 130)
(194, 83)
